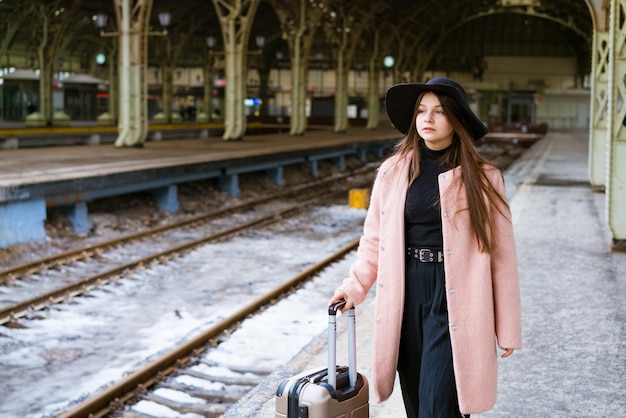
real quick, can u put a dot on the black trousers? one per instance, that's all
(425, 357)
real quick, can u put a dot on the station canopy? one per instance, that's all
(452, 35)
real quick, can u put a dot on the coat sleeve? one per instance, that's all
(504, 272)
(364, 270)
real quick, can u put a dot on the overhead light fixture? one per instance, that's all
(101, 20)
(164, 19)
(260, 41)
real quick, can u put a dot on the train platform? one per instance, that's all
(68, 177)
(573, 363)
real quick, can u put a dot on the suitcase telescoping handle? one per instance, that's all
(332, 344)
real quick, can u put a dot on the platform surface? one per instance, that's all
(40, 165)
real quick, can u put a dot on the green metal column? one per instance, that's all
(598, 135)
(236, 17)
(133, 114)
(616, 157)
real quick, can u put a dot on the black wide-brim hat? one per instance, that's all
(401, 98)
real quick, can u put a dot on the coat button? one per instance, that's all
(448, 252)
(445, 214)
(454, 328)
(380, 285)
(382, 248)
(451, 291)
(378, 321)
(382, 212)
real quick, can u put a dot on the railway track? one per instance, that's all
(13, 273)
(85, 344)
(186, 360)
(55, 278)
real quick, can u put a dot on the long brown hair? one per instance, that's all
(461, 153)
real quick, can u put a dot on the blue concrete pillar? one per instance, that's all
(77, 217)
(22, 222)
(167, 198)
(229, 183)
(276, 175)
(314, 169)
(340, 162)
(363, 155)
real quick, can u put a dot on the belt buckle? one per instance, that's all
(425, 252)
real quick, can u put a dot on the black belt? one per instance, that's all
(425, 255)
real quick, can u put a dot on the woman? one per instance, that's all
(438, 240)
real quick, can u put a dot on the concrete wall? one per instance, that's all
(513, 73)
(565, 109)
(558, 101)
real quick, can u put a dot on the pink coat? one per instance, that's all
(482, 290)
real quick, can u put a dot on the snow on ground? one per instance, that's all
(270, 339)
(86, 344)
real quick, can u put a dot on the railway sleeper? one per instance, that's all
(204, 408)
(259, 370)
(232, 379)
(226, 393)
(134, 414)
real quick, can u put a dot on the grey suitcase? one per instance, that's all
(344, 393)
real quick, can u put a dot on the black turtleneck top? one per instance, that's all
(422, 212)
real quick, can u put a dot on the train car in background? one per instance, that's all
(78, 95)
(81, 93)
(19, 93)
